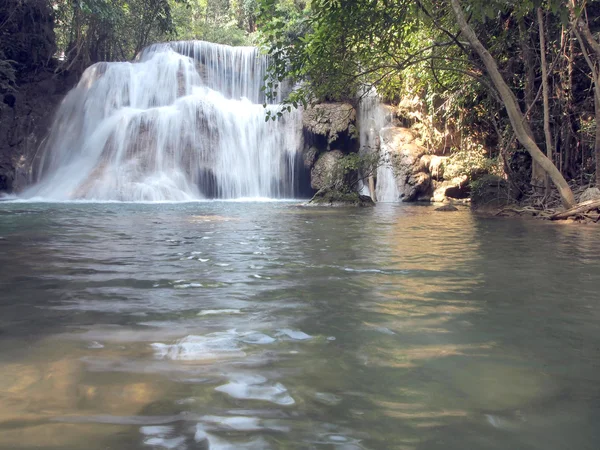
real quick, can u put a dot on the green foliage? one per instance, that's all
(7, 74)
(216, 21)
(88, 31)
(471, 161)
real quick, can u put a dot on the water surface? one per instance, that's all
(265, 325)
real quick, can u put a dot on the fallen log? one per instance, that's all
(576, 210)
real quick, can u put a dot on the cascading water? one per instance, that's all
(372, 119)
(184, 121)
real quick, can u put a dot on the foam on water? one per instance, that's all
(194, 348)
(211, 312)
(257, 388)
(257, 338)
(215, 442)
(294, 334)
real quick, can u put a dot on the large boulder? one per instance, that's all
(589, 194)
(330, 120)
(412, 177)
(325, 171)
(335, 197)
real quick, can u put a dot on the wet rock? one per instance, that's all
(333, 197)
(324, 172)
(309, 157)
(590, 194)
(412, 177)
(23, 125)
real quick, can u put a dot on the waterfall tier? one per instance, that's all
(184, 121)
(372, 119)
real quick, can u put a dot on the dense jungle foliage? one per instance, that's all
(542, 99)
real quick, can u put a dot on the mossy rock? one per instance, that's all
(332, 197)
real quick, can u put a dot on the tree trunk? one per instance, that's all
(547, 132)
(538, 176)
(597, 141)
(512, 108)
(566, 90)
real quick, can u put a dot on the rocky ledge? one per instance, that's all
(333, 197)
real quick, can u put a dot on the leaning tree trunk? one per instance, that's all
(512, 108)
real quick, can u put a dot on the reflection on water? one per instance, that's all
(256, 326)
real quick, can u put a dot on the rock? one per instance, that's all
(436, 166)
(333, 197)
(330, 120)
(589, 194)
(405, 135)
(323, 173)
(309, 157)
(447, 208)
(412, 178)
(456, 188)
(24, 126)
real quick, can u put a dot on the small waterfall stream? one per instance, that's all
(372, 119)
(184, 121)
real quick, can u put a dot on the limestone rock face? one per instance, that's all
(412, 177)
(323, 173)
(435, 165)
(590, 194)
(309, 157)
(329, 120)
(24, 122)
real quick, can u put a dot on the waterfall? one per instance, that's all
(184, 121)
(373, 118)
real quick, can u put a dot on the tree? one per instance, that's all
(591, 51)
(515, 114)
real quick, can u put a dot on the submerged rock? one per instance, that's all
(447, 208)
(332, 197)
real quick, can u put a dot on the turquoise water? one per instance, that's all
(228, 325)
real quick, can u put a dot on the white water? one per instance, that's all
(185, 121)
(372, 119)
